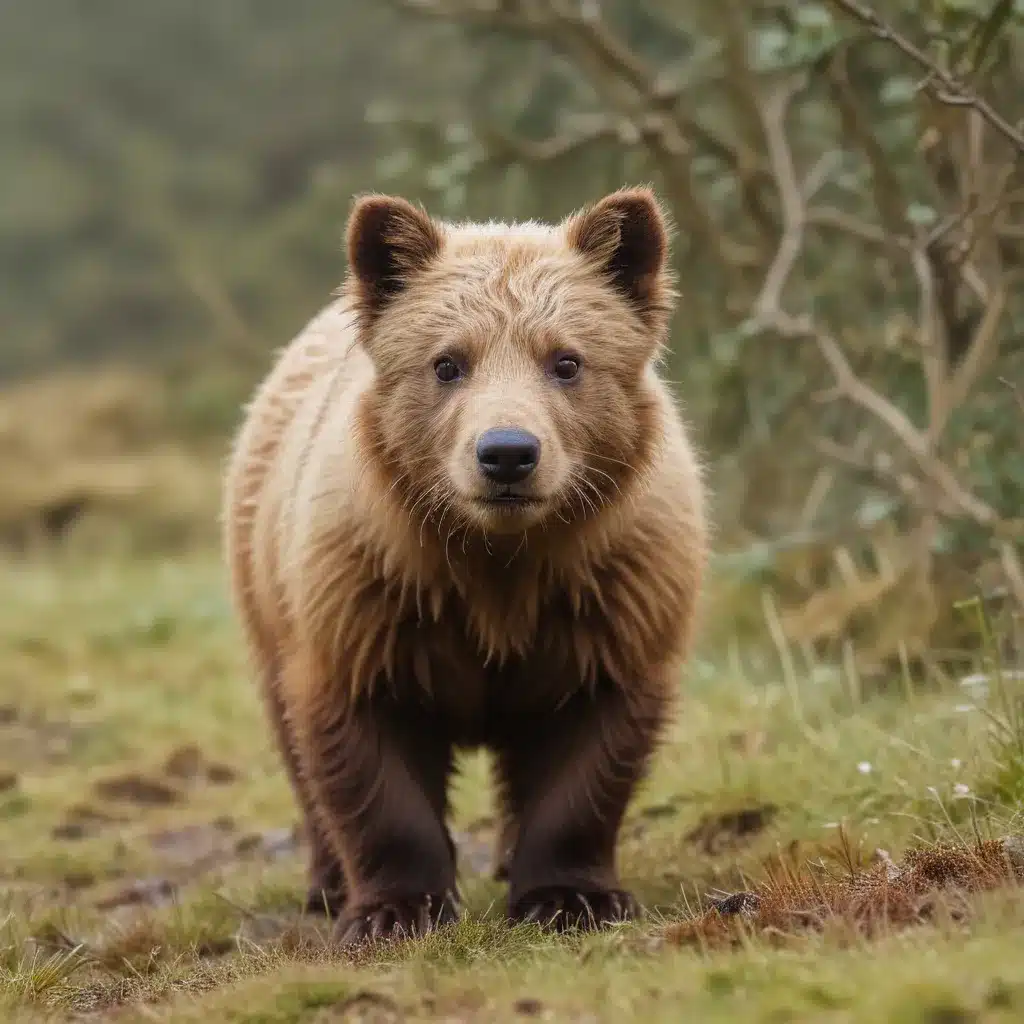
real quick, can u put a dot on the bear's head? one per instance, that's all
(514, 379)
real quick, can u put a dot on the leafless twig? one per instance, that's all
(769, 315)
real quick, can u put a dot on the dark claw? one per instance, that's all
(411, 917)
(563, 908)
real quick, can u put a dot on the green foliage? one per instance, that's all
(174, 176)
(174, 179)
(569, 104)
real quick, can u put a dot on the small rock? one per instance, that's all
(1013, 847)
(746, 904)
(8, 781)
(892, 869)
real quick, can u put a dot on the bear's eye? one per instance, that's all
(567, 367)
(447, 370)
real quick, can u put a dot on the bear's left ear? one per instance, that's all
(625, 234)
(389, 241)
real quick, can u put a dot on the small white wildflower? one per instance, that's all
(955, 762)
(864, 767)
(963, 708)
(975, 679)
(961, 790)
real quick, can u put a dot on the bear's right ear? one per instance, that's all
(388, 240)
(625, 235)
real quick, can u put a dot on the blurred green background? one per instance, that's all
(175, 176)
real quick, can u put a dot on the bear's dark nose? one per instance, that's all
(507, 455)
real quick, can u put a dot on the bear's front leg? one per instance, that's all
(378, 774)
(568, 783)
(326, 892)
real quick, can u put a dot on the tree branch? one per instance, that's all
(573, 27)
(850, 386)
(953, 92)
(773, 117)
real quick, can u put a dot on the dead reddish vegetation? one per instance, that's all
(883, 897)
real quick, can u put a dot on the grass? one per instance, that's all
(150, 871)
(122, 466)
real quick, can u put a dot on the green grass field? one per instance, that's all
(150, 870)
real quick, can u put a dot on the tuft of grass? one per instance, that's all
(39, 977)
(114, 468)
(884, 898)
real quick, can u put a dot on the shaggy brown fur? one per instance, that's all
(401, 604)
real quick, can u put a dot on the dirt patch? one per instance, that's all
(528, 1007)
(749, 743)
(82, 821)
(189, 764)
(184, 763)
(869, 902)
(666, 809)
(69, 830)
(137, 789)
(29, 738)
(152, 892)
(78, 880)
(8, 781)
(717, 832)
(364, 1007)
(220, 774)
(194, 846)
(273, 844)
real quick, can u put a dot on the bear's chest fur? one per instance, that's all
(482, 647)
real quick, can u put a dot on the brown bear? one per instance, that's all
(463, 511)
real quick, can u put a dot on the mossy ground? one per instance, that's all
(150, 871)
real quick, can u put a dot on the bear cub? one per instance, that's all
(463, 511)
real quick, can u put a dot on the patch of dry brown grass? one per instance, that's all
(99, 447)
(883, 898)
